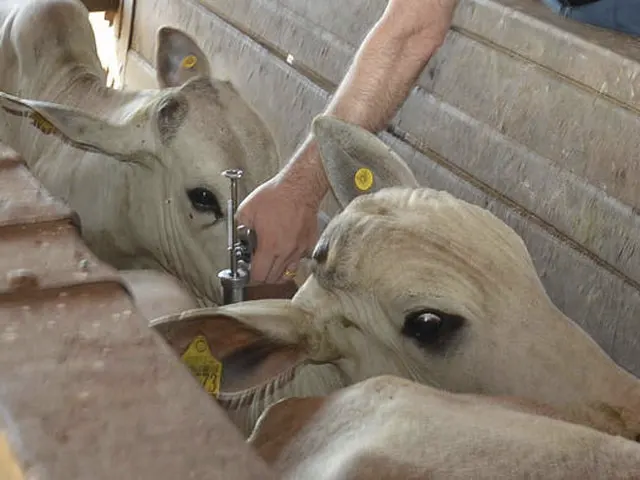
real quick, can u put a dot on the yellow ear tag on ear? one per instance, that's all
(189, 61)
(203, 365)
(363, 179)
(42, 124)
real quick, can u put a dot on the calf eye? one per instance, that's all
(204, 200)
(431, 327)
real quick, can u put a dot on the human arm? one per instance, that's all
(283, 211)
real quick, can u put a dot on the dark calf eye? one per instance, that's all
(205, 201)
(431, 327)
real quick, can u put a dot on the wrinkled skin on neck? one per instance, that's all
(141, 168)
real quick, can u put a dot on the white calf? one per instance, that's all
(143, 168)
(415, 283)
(393, 429)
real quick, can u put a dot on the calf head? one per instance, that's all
(172, 145)
(416, 283)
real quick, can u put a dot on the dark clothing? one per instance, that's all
(620, 15)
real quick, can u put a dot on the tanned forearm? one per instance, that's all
(384, 70)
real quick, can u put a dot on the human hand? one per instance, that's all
(285, 220)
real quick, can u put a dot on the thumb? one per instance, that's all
(261, 264)
(244, 214)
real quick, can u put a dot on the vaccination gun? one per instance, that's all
(241, 244)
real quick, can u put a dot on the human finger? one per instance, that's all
(290, 269)
(292, 264)
(262, 264)
(279, 265)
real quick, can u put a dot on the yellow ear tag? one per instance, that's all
(203, 365)
(363, 179)
(42, 124)
(189, 61)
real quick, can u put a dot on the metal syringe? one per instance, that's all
(241, 243)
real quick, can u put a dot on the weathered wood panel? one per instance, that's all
(122, 28)
(596, 294)
(600, 59)
(102, 5)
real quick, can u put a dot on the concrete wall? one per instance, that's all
(527, 114)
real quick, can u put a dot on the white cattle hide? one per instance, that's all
(393, 429)
(141, 168)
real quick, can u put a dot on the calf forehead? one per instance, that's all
(225, 131)
(217, 104)
(404, 230)
(433, 216)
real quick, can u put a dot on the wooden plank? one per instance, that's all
(604, 303)
(122, 27)
(604, 61)
(568, 160)
(101, 5)
(586, 134)
(607, 62)
(139, 75)
(586, 215)
(90, 392)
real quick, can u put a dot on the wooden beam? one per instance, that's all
(123, 25)
(101, 5)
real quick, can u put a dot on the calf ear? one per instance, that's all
(356, 161)
(178, 58)
(277, 319)
(75, 127)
